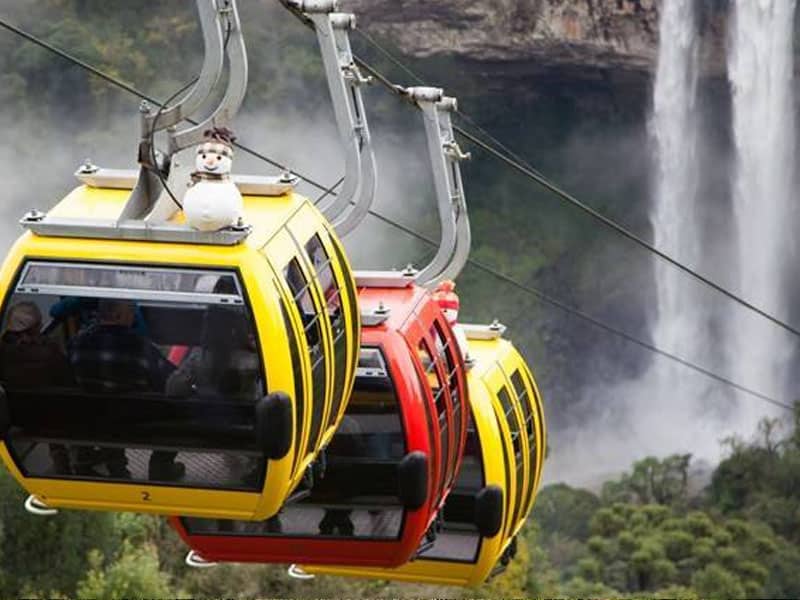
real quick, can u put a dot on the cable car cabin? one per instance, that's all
(497, 484)
(180, 375)
(391, 463)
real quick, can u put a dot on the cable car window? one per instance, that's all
(95, 281)
(321, 264)
(313, 332)
(459, 540)
(522, 395)
(147, 384)
(507, 465)
(350, 296)
(448, 361)
(514, 428)
(440, 404)
(297, 374)
(357, 498)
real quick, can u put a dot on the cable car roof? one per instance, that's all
(104, 205)
(400, 303)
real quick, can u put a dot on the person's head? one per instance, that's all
(115, 312)
(24, 320)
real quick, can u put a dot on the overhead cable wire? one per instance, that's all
(523, 167)
(478, 264)
(143, 96)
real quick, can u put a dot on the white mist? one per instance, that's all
(760, 71)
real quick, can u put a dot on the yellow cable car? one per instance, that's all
(499, 476)
(166, 370)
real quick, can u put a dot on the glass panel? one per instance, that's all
(522, 395)
(350, 295)
(299, 391)
(440, 404)
(448, 361)
(301, 520)
(459, 540)
(513, 425)
(357, 498)
(313, 332)
(97, 280)
(321, 264)
(132, 388)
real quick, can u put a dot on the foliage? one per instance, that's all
(134, 574)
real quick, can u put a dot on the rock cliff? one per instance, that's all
(579, 36)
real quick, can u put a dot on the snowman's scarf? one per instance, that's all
(198, 176)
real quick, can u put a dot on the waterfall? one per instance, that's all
(760, 71)
(674, 131)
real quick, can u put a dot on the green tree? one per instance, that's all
(134, 574)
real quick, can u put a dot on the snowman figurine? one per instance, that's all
(213, 202)
(447, 299)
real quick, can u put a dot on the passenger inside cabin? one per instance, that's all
(30, 359)
(111, 357)
(225, 367)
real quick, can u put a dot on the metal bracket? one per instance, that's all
(376, 316)
(297, 572)
(445, 155)
(209, 74)
(386, 279)
(344, 81)
(484, 332)
(125, 179)
(194, 560)
(222, 35)
(36, 507)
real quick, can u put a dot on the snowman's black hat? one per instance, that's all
(219, 140)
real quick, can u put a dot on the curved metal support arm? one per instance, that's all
(213, 62)
(344, 82)
(445, 155)
(237, 82)
(180, 174)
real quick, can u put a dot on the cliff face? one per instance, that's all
(582, 35)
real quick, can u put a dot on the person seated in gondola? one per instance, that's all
(111, 357)
(30, 359)
(225, 367)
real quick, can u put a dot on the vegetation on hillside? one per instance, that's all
(643, 536)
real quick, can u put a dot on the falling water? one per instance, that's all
(674, 128)
(760, 70)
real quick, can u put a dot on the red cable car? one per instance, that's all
(391, 463)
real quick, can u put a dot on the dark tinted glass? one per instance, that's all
(458, 539)
(358, 495)
(447, 359)
(522, 395)
(313, 332)
(97, 377)
(321, 264)
(297, 374)
(514, 426)
(440, 404)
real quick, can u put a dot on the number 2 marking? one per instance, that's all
(146, 496)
